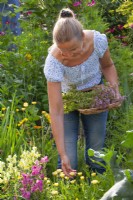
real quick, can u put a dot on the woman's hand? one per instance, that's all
(66, 167)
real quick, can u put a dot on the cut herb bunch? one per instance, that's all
(99, 97)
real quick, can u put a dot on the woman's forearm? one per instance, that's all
(110, 75)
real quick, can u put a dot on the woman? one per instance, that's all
(78, 57)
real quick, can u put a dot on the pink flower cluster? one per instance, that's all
(77, 3)
(92, 3)
(33, 182)
(2, 33)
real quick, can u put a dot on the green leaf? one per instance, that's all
(128, 175)
(6, 13)
(128, 142)
(91, 152)
(17, 10)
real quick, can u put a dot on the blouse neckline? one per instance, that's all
(86, 60)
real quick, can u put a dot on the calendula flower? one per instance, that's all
(73, 181)
(82, 177)
(56, 184)
(33, 102)
(72, 173)
(37, 127)
(93, 174)
(66, 177)
(25, 104)
(54, 192)
(62, 175)
(48, 181)
(94, 182)
(79, 173)
(3, 109)
(54, 173)
(28, 56)
(59, 170)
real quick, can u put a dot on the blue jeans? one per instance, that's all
(94, 127)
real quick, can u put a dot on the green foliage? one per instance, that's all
(128, 139)
(89, 17)
(126, 9)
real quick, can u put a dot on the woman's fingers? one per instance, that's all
(66, 167)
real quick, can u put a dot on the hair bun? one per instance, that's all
(66, 13)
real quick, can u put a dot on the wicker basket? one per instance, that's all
(97, 110)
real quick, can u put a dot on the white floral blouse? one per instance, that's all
(84, 75)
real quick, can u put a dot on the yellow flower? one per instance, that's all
(62, 175)
(66, 177)
(48, 181)
(79, 173)
(45, 178)
(23, 109)
(25, 119)
(25, 104)
(54, 173)
(76, 199)
(93, 174)
(2, 115)
(59, 170)
(82, 177)
(33, 102)
(94, 182)
(28, 56)
(4, 109)
(73, 181)
(72, 173)
(17, 110)
(56, 184)
(19, 177)
(54, 192)
(47, 116)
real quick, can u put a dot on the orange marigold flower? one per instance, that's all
(37, 127)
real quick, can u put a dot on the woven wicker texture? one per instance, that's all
(96, 110)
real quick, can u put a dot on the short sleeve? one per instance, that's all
(100, 43)
(53, 69)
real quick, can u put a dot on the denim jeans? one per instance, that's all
(94, 127)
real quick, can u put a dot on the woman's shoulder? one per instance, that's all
(55, 52)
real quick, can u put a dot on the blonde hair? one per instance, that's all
(67, 27)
